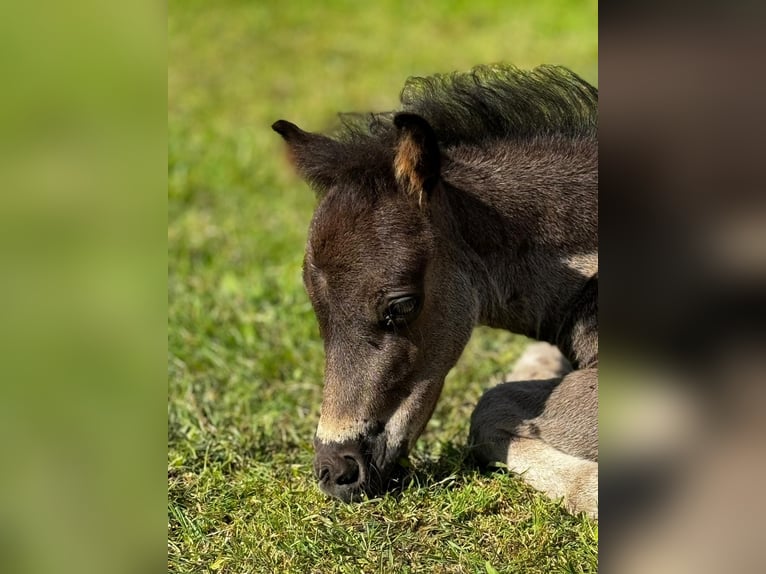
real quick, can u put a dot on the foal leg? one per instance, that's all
(545, 430)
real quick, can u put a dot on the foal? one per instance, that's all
(474, 204)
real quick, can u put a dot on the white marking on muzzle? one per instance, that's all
(339, 431)
(405, 426)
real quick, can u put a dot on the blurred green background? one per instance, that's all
(82, 286)
(244, 356)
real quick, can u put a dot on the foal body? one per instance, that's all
(477, 204)
(531, 237)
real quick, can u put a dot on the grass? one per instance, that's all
(245, 359)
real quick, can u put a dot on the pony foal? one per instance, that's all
(476, 203)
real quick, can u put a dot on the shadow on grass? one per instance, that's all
(451, 469)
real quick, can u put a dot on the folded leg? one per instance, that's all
(546, 431)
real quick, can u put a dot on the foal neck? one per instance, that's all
(525, 219)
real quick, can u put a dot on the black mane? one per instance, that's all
(489, 103)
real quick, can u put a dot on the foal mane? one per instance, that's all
(486, 105)
(489, 103)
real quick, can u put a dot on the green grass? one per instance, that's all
(245, 359)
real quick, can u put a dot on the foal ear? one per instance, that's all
(417, 162)
(315, 157)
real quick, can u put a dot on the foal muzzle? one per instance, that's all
(349, 469)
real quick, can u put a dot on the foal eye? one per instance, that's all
(400, 310)
(402, 306)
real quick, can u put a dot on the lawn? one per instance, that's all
(245, 359)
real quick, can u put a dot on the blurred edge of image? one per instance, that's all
(83, 286)
(683, 242)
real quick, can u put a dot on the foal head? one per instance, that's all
(394, 305)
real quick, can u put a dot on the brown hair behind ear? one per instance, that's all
(417, 162)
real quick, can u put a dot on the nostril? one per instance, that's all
(324, 474)
(350, 474)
